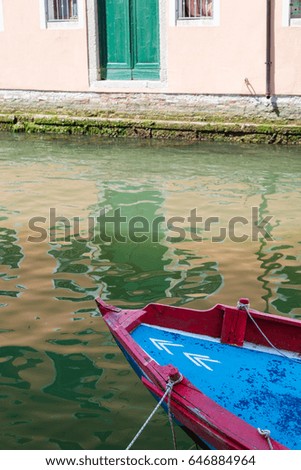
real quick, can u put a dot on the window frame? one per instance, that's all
(177, 20)
(75, 18)
(72, 23)
(183, 17)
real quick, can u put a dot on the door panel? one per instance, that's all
(129, 39)
(116, 52)
(145, 39)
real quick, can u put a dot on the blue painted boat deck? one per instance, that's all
(263, 389)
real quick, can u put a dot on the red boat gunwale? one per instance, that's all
(193, 409)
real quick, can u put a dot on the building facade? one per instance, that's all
(219, 47)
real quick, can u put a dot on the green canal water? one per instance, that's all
(63, 382)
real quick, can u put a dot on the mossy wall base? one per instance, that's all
(189, 117)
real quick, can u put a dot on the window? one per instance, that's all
(61, 14)
(295, 9)
(61, 10)
(194, 13)
(291, 13)
(192, 9)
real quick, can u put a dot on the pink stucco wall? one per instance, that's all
(219, 59)
(287, 60)
(197, 59)
(41, 59)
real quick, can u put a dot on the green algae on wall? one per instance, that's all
(162, 127)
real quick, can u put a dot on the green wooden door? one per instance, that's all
(114, 37)
(129, 39)
(145, 39)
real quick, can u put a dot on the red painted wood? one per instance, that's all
(203, 322)
(283, 332)
(223, 430)
(234, 327)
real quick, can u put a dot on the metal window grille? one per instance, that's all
(295, 9)
(61, 10)
(195, 9)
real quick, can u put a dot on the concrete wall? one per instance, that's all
(193, 107)
(196, 59)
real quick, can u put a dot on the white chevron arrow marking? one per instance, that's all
(162, 344)
(200, 360)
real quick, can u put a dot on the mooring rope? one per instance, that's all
(173, 434)
(245, 307)
(169, 386)
(266, 434)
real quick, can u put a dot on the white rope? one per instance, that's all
(173, 435)
(169, 386)
(266, 434)
(246, 308)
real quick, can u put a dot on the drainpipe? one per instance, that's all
(268, 47)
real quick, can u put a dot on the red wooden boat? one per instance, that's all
(231, 371)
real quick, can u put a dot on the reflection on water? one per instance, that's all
(64, 383)
(10, 256)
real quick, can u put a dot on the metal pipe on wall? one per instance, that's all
(268, 47)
